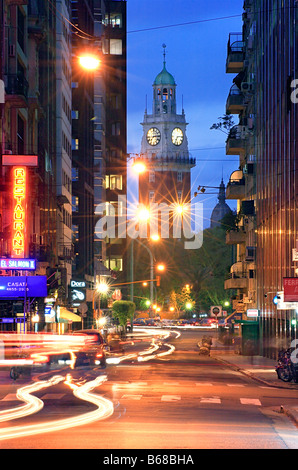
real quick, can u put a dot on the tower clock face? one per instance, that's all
(177, 136)
(153, 136)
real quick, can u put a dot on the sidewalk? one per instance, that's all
(259, 368)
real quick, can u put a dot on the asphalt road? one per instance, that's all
(180, 401)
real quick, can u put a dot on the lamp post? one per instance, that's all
(101, 288)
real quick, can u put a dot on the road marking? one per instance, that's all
(210, 400)
(199, 384)
(53, 396)
(131, 397)
(235, 385)
(170, 397)
(250, 401)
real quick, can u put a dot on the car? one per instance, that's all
(93, 351)
(139, 322)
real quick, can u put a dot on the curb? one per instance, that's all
(253, 376)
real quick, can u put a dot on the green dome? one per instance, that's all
(164, 78)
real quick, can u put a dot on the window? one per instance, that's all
(151, 177)
(116, 128)
(151, 196)
(75, 144)
(74, 174)
(75, 203)
(21, 136)
(116, 264)
(179, 176)
(21, 29)
(116, 182)
(179, 194)
(74, 114)
(116, 46)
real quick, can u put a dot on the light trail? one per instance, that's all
(32, 403)
(105, 409)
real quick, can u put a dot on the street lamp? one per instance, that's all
(101, 289)
(89, 61)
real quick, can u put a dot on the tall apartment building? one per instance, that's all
(63, 62)
(82, 146)
(99, 136)
(263, 59)
(115, 80)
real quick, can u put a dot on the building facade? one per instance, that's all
(57, 125)
(263, 59)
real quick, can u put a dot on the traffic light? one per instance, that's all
(158, 281)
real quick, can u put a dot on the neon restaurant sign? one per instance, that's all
(20, 165)
(19, 211)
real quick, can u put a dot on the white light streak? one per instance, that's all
(104, 409)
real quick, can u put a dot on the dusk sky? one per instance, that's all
(196, 56)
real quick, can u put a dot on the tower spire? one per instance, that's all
(164, 55)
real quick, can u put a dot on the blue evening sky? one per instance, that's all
(196, 57)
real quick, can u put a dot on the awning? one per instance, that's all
(68, 315)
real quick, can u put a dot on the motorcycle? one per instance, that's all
(286, 370)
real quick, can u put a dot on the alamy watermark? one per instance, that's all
(294, 94)
(180, 221)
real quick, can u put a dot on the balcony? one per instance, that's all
(235, 144)
(235, 237)
(238, 277)
(236, 186)
(235, 55)
(236, 102)
(16, 89)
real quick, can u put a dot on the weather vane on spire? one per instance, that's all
(164, 54)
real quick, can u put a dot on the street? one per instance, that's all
(179, 401)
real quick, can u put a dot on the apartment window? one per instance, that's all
(179, 194)
(116, 128)
(75, 203)
(179, 176)
(74, 114)
(21, 29)
(151, 196)
(116, 182)
(116, 264)
(21, 136)
(75, 144)
(116, 46)
(151, 177)
(115, 20)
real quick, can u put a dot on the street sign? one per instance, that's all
(290, 289)
(252, 312)
(282, 305)
(21, 286)
(215, 310)
(294, 254)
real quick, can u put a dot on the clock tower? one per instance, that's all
(164, 147)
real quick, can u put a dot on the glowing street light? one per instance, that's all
(102, 288)
(143, 214)
(139, 167)
(155, 237)
(160, 267)
(89, 62)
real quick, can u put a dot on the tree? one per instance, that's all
(225, 123)
(123, 310)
